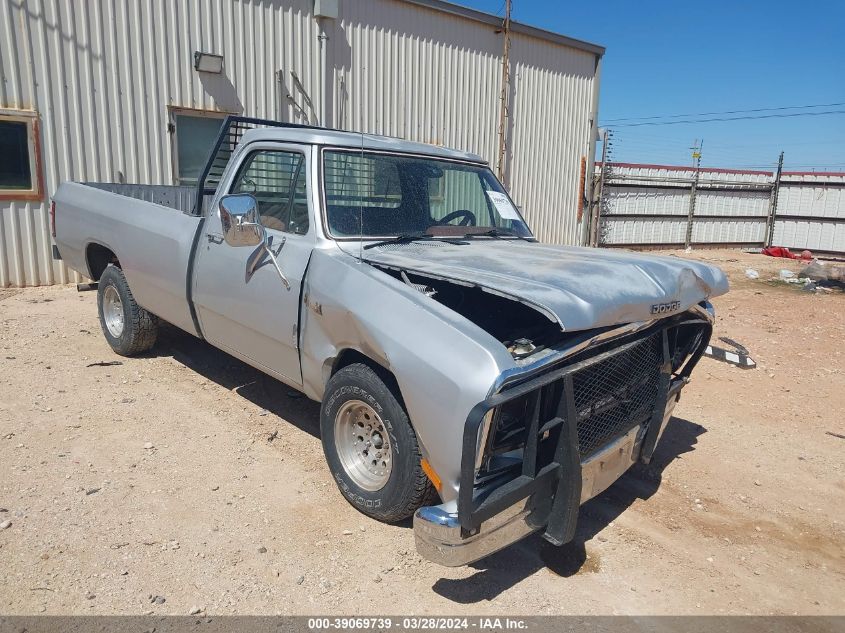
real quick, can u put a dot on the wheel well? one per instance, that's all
(351, 356)
(98, 257)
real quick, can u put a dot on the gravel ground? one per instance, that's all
(186, 481)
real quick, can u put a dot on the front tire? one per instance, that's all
(370, 446)
(128, 328)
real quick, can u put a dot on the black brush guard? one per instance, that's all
(556, 485)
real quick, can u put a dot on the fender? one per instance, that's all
(352, 305)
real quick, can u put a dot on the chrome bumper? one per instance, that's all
(437, 532)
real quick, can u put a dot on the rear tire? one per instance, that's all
(128, 328)
(370, 446)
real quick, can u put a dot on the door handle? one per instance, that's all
(214, 239)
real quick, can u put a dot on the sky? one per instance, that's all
(676, 58)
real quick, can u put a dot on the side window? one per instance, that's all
(277, 180)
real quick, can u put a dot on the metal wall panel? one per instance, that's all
(734, 203)
(811, 212)
(731, 207)
(617, 232)
(550, 117)
(625, 199)
(102, 73)
(734, 231)
(652, 191)
(826, 236)
(812, 196)
(629, 201)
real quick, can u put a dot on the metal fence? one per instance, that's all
(651, 206)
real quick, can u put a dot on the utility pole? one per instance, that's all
(594, 226)
(773, 204)
(696, 165)
(503, 98)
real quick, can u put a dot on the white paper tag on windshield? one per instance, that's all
(503, 205)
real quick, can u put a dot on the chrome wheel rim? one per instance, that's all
(113, 311)
(363, 445)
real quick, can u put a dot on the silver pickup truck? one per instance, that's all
(470, 377)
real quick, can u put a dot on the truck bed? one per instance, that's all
(178, 197)
(148, 225)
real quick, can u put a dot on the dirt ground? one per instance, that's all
(187, 475)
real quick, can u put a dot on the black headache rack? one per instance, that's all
(571, 412)
(230, 135)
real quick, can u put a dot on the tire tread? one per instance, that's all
(420, 491)
(141, 328)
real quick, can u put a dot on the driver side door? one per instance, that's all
(254, 317)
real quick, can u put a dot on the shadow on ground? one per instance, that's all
(498, 572)
(503, 570)
(227, 371)
(262, 390)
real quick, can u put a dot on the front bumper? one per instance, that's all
(561, 466)
(441, 539)
(438, 533)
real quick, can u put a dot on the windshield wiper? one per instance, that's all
(499, 234)
(403, 238)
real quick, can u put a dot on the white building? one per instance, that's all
(118, 90)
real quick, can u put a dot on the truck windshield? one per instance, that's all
(378, 195)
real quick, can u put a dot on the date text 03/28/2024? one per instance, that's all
(416, 623)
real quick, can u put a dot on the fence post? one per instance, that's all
(696, 155)
(773, 204)
(594, 228)
(688, 239)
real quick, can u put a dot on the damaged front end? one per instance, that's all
(519, 326)
(558, 431)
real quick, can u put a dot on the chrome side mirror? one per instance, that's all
(242, 226)
(240, 220)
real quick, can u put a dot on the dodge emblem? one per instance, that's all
(663, 308)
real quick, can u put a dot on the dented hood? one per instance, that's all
(580, 288)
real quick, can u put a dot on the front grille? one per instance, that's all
(617, 394)
(592, 400)
(611, 396)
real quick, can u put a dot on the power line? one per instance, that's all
(736, 118)
(682, 137)
(675, 116)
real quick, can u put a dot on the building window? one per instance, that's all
(20, 176)
(194, 135)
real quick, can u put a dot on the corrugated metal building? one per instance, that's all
(107, 90)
